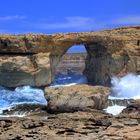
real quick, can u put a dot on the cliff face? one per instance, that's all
(72, 63)
(31, 59)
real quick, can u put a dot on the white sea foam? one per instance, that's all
(21, 95)
(127, 87)
(115, 109)
(28, 95)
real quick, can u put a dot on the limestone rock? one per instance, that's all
(132, 110)
(93, 125)
(34, 70)
(80, 125)
(112, 52)
(78, 97)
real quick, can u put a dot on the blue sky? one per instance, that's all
(52, 16)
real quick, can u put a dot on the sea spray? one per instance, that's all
(115, 109)
(21, 95)
(127, 87)
(124, 88)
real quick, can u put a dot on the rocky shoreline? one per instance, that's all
(79, 125)
(74, 112)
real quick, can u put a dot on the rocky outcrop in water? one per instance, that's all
(132, 110)
(76, 98)
(25, 109)
(31, 59)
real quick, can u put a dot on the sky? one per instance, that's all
(54, 16)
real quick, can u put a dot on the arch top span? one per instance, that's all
(56, 43)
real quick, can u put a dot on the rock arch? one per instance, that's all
(31, 59)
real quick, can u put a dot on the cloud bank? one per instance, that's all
(22, 24)
(75, 22)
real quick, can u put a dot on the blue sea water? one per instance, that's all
(29, 95)
(21, 95)
(122, 88)
(68, 80)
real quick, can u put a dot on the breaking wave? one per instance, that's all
(127, 87)
(21, 95)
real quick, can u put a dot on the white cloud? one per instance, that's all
(127, 20)
(16, 17)
(76, 22)
(81, 23)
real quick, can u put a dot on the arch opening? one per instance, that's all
(71, 67)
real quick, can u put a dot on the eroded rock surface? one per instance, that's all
(76, 98)
(81, 125)
(18, 70)
(132, 110)
(34, 57)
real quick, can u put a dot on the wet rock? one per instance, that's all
(132, 110)
(27, 109)
(76, 98)
(121, 102)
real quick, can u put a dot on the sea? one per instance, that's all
(126, 87)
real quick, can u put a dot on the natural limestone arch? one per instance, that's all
(100, 64)
(59, 61)
(31, 59)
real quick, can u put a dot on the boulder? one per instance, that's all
(76, 98)
(132, 110)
